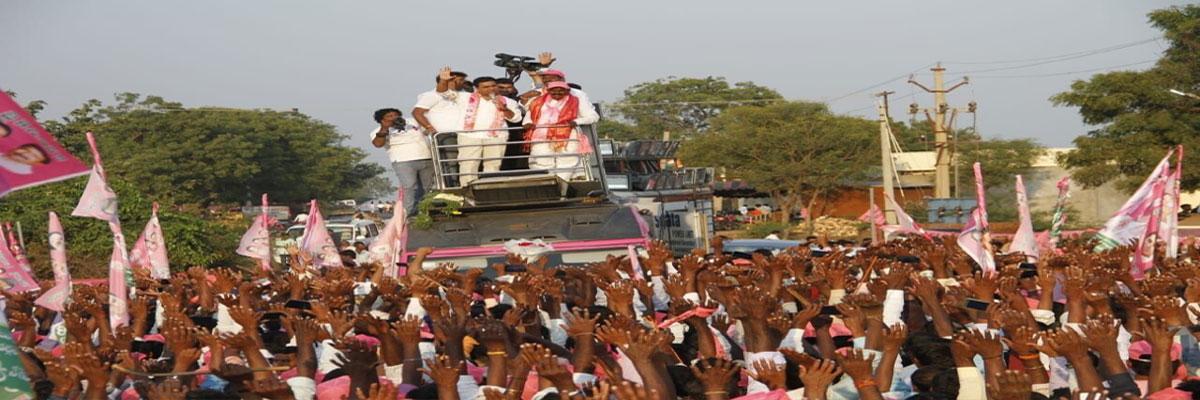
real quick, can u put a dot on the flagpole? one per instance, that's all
(266, 262)
(874, 228)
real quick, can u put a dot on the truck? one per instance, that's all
(578, 217)
(645, 174)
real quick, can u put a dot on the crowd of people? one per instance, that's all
(485, 123)
(908, 319)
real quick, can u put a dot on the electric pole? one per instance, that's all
(941, 183)
(885, 151)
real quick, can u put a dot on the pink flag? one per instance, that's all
(904, 223)
(29, 156)
(55, 297)
(18, 252)
(98, 201)
(13, 276)
(150, 250)
(118, 273)
(316, 240)
(256, 242)
(1143, 254)
(1168, 230)
(1129, 222)
(390, 242)
(874, 216)
(1023, 241)
(974, 238)
(1060, 213)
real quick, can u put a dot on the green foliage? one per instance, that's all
(217, 155)
(619, 131)
(423, 219)
(762, 229)
(795, 151)
(1137, 117)
(1001, 161)
(683, 106)
(190, 239)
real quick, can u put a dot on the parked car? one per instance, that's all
(351, 231)
(744, 249)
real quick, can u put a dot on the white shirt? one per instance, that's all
(15, 167)
(408, 144)
(486, 113)
(446, 109)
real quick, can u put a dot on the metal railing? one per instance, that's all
(446, 160)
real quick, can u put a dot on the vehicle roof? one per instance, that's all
(762, 243)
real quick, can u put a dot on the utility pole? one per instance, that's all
(885, 152)
(941, 183)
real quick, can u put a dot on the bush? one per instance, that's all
(191, 239)
(762, 229)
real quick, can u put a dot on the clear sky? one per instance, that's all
(340, 60)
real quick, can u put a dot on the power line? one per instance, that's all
(1087, 52)
(1059, 59)
(1066, 72)
(902, 76)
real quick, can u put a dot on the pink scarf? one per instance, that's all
(473, 106)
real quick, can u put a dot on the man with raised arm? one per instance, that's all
(552, 122)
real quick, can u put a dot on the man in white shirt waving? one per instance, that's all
(552, 120)
(408, 150)
(484, 135)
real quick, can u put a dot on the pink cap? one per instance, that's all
(558, 84)
(1139, 348)
(554, 72)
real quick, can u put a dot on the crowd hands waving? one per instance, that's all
(908, 319)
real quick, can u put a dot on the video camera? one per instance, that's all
(513, 65)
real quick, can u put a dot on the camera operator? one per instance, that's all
(408, 151)
(506, 88)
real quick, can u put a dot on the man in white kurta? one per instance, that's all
(482, 111)
(552, 123)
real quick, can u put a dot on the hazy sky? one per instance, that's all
(340, 60)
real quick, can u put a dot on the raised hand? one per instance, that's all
(715, 375)
(443, 371)
(546, 58)
(818, 378)
(272, 388)
(445, 74)
(855, 364)
(1009, 385)
(379, 391)
(769, 373)
(169, 389)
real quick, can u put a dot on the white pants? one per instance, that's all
(475, 148)
(565, 167)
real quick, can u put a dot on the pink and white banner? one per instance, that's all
(1143, 254)
(150, 250)
(1168, 229)
(1128, 224)
(14, 277)
(390, 243)
(100, 202)
(29, 155)
(975, 239)
(56, 297)
(904, 222)
(256, 242)
(1023, 240)
(316, 240)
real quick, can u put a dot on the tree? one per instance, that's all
(796, 151)
(1137, 118)
(217, 155)
(684, 106)
(191, 240)
(1001, 161)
